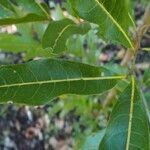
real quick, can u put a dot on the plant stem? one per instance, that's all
(130, 55)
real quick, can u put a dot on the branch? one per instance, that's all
(140, 31)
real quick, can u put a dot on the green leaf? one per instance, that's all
(146, 77)
(113, 18)
(28, 11)
(128, 126)
(116, 68)
(75, 45)
(16, 43)
(19, 43)
(28, 18)
(7, 4)
(93, 141)
(121, 85)
(146, 104)
(147, 97)
(31, 6)
(37, 82)
(26, 40)
(58, 32)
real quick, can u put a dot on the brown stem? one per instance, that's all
(141, 30)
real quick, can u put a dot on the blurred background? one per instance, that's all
(68, 121)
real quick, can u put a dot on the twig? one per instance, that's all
(141, 30)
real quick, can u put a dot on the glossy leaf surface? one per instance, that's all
(37, 82)
(128, 125)
(113, 18)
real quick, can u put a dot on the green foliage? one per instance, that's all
(27, 39)
(146, 78)
(29, 11)
(15, 42)
(57, 33)
(90, 53)
(92, 142)
(110, 20)
(128, 123)
(39, 82)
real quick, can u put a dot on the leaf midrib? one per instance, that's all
(60, 34)
(115, 22)
(61, 80)
(131, 113)
(44, 11)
